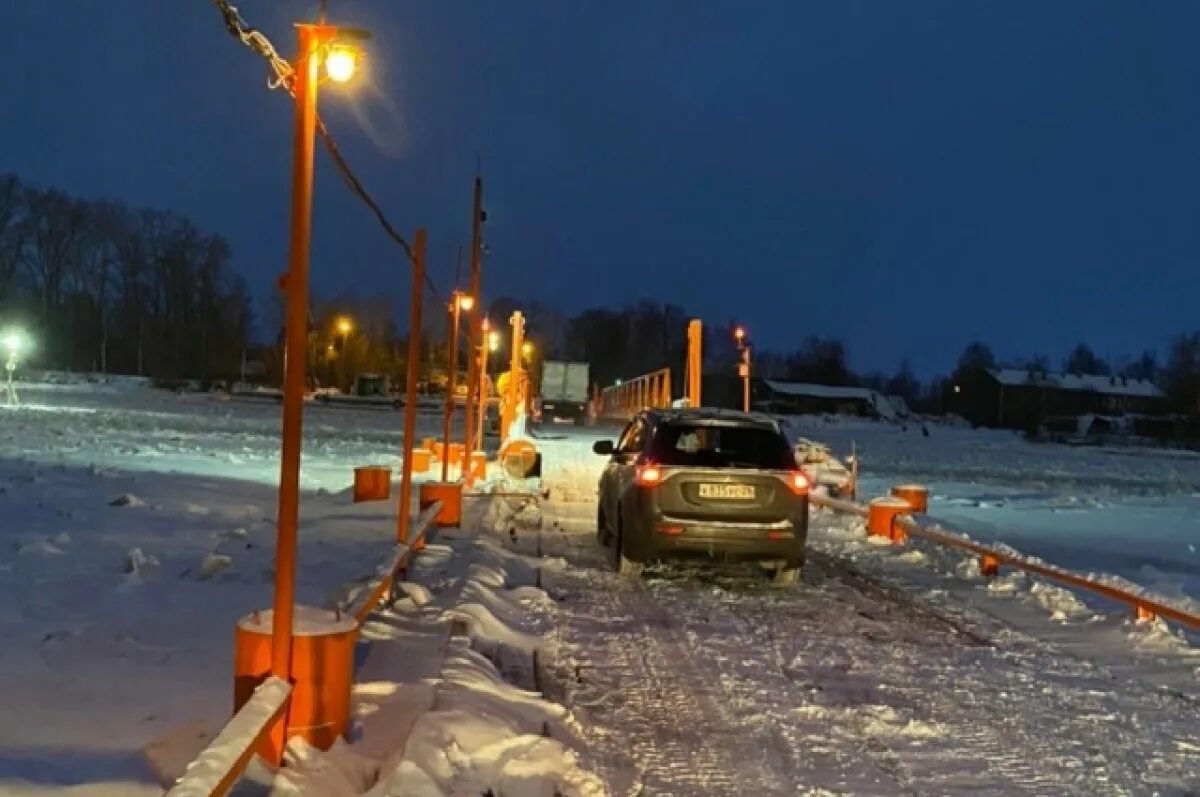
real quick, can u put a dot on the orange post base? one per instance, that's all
(322, 673)
(450, 494)
(372, 484)
(456, 455)
(430, 444)
(881, 518)
(422, 458)
(916, 495)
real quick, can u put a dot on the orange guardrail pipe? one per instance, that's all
(904, 525)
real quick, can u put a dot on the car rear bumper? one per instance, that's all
(669, 537)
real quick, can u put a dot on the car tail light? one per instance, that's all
(798, 482)
(649, 475)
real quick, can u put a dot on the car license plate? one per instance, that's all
(729, 492)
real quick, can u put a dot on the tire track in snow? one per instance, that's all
(688, 681)
(660, 722)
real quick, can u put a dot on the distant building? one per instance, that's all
(1022, 399)
(801, 398)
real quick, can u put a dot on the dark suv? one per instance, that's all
(702, 481)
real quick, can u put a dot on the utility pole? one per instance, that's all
(474, 327)
(410, 385)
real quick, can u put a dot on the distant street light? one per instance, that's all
(527, 350)
(493, 341)
(465, 302)
(15, 344)
(743, 347)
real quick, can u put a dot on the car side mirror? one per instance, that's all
(603, 447)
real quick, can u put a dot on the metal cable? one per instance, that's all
(281, 76)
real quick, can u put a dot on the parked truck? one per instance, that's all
(564, 392)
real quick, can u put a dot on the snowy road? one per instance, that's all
(697, 680)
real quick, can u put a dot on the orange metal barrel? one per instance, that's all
(881, 517)
(372, 483)
(450, 494)
(916, 495)
(421, 460)
(322, 671)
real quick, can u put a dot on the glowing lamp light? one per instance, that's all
(345, 325)
(466, 302)
(341, 63)
(527, 349)
(739, 333)
(14, 342)
(493, 341)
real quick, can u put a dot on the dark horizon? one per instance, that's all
(909, 178)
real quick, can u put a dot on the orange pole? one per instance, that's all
(452, 359)
(695, 335)
(746, 379)
(517, 322)
(304, 87)
(410, 387)
(484, 391)
(474, 324)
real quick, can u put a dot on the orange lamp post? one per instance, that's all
(743, 346)
(410, 387)
(316, 46)
(459, 302)
(511, 397)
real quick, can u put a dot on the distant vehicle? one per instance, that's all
(702, 482)
(564, 393)
(372, 390)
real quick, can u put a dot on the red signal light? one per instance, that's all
(649, 475)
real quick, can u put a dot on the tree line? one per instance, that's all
(646, 335)
(104, 287)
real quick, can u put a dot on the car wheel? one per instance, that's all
(620, 562)
(601, 529)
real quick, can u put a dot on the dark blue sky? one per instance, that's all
(905, 175)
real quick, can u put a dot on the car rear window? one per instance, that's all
(721, 446)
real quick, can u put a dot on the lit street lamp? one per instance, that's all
(15, 344)
(491, 344)
(319, 45)
(459, 302)
(743, 347)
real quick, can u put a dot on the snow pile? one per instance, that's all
(462, 727)
(486, 735)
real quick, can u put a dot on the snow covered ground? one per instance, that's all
(886, 671)
(139, 527)
(1130, 512)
